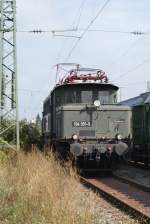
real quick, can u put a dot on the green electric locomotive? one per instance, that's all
(81, 119)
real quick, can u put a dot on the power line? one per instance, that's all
(40, 31)
(80, 14)
(118, 31)
(125, 52)
(133, 69)
(80, 10)
(102, 30)
(70, 36)
(77, 18)
(87, 28)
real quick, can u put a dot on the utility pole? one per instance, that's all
(9, 119)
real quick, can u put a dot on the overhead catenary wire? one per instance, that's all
(124, 53)
(78, 16)
(135, 32)
(87, 28)
(78, 19)
(40, 31)
(132, 69)
(70, 36)
(74, 25)
(54, 32)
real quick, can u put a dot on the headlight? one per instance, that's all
(97, 103)
(119, 136)
(74, 136)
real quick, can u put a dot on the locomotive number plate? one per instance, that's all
(81, 124)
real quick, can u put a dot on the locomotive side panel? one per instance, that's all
(59, 124)
(141, 133)
(148, 145)
(139, 125)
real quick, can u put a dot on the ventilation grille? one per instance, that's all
(89, 133)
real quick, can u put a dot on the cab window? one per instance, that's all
(104, 97)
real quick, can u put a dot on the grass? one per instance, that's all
(37, 189)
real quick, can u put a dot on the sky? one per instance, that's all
(125, 57)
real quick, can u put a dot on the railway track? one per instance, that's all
(128, 197)
(139, 165)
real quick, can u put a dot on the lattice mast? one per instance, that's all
(8, 75)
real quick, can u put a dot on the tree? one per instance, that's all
(29, 134)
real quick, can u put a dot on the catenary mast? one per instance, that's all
(8, 75)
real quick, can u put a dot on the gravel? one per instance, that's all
(103, 212)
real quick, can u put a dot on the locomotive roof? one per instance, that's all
(66, 85)
(82, 77)
(107, 85)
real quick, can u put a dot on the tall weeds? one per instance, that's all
(37, 189)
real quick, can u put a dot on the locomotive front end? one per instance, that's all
(84, 121)
(98, 136)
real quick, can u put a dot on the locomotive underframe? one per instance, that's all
(92, 154)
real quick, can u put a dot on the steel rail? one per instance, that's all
(120, 198)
